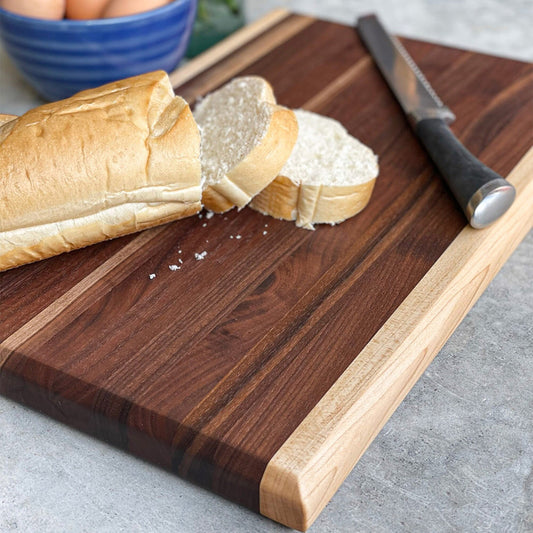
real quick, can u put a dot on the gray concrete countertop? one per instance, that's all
(455, 456)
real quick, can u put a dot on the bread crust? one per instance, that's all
(71, 238)
(214, 201)
(261, 165)
(6, 118)
(312, 204)
(131, 144)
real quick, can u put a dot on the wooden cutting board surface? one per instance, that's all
(263, 371)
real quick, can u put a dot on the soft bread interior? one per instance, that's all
(328, 177)
(246, 139)
(326, 154)
(232, 120)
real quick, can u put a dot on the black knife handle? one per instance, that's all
(483, 195)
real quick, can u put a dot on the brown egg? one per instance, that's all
(121, 8)
(40, 9)
(85, 9)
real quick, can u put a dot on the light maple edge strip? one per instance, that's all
(42, 319)
(253, 51)
(217, 52)
(310, 466)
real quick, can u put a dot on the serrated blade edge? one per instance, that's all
(413, 91)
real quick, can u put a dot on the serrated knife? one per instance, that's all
(483, 195)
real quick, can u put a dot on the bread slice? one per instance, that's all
(101, 164)
(328, 178)
(246, 140)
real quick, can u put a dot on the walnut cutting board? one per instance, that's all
(263, 371)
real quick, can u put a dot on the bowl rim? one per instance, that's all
(65, 23)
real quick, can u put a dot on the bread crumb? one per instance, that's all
(151, 276)
(231, 236)
(265, 232)
(180, 261)
(200, 256)
(237, 236)
(179, 251)
(204, 224)
(200, 215)
(209, 215)
(266, 225)
(174, 267)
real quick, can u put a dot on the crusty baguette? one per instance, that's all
(242, 107)
(104, 163)
(328, 178)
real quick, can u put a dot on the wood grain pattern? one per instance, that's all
(310, 466)
(211, 371)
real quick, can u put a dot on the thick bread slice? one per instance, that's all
(104, 163)
(246, 140)
(328, 178)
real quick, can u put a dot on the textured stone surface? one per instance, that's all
(498, 27)
(454, 456)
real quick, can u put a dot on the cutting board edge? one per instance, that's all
(202, 62)
(184, 73)
(310, 466)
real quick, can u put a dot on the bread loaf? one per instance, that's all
(246, 139)
(328, 178)
(104, 163)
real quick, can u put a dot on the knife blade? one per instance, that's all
(483, 195)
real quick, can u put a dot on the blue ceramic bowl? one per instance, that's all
(61, 57)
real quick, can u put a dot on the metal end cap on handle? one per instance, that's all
(490, 202)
